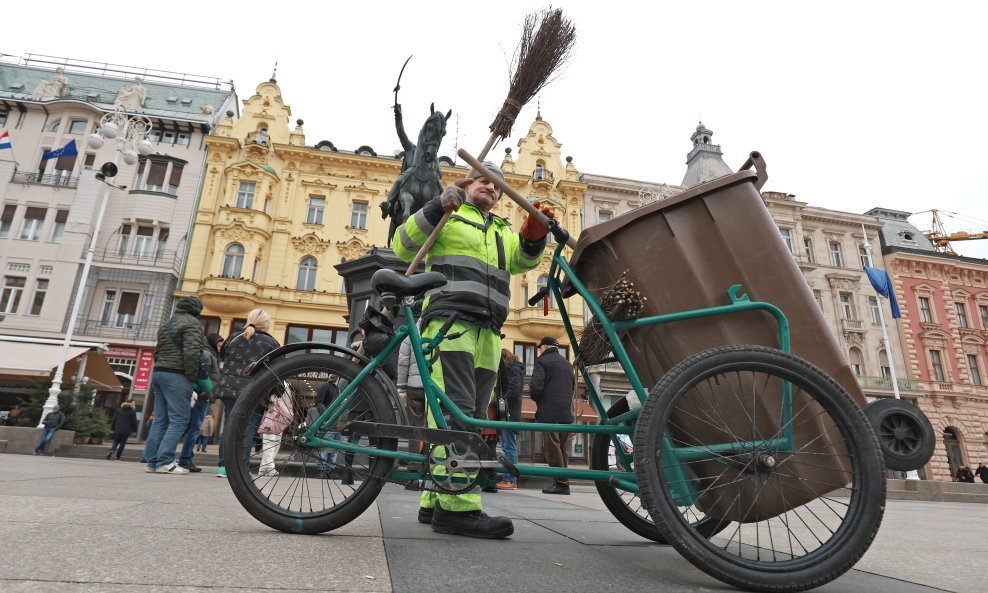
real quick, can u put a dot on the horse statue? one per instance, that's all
(420, 181)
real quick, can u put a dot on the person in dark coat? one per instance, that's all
(510, 378)
(552, 391)
(52, 422)
(176, 370)
(124, 423)
(982, 472)
(198, 413)
(238, 352)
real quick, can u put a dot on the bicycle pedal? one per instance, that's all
(508, 466)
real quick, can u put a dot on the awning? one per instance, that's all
(23, 360)
(584, 412)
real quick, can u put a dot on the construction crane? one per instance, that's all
(941, 239)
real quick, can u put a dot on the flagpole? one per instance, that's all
(911, 474)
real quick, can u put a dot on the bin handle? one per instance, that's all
(755, 160)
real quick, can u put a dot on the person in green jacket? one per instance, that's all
(176, 368)
(478, 252)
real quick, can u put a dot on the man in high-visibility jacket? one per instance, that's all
(478, 252)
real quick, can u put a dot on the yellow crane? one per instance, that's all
(941, 239)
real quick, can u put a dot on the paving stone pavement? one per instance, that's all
(88, 526)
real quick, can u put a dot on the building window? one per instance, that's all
(358, 215)
(182, 139)
(45, 270)
(539, 174)
(89, 161)
(876, 311)
(127, 309)
(541, 283)
(937, 364)
(40, 289)
(835, 255)
(883, 363)
(307, 333)
(175, 178)
(124, 239)
(604, 215)
(863, 254)
(925, 312)
(972, 363)
(156, 176)
(961, 315)
(168, 137)
(846, 306)
(307, 268)
(162, 242)
(78, 126)
(109, 300)
(526, 354)
(10, 298)
(854, 357)
(18, 267)
(983, 314)
(245, 194)
(6, 218)
(59, 228)
(808, 248)
(143, 240)
(787, 237)
(34, 219)
(233, 260)
(818, 297)
(316, 207)
(210, 325)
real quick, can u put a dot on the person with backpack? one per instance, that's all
(238, 352)
(178, 365)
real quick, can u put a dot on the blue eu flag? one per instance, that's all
(882, 284)
(67, 150)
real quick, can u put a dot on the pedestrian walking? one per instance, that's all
(510, 377)
(199, 408)
(123, 424)
(205, 432)
(552, 391)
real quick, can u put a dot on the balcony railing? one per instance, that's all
(876, 382)
(170, 260)
(123, 331)
(852, 325)
(40, 179)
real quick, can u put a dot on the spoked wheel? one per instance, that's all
(311, 490)
(711, 440)
(626, 506)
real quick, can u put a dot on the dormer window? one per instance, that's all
(539, 174)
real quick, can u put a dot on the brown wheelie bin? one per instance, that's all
(683, 253)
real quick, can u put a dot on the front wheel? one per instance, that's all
(291, 486)
(775, 448)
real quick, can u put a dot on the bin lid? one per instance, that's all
(600, 231)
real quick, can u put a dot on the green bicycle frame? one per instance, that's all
(624, 424)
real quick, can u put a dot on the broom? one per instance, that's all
(546, 44)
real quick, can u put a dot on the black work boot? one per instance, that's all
(425, 515)
(471, 524)
(556, 489)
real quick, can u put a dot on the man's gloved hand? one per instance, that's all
(534, 230)
(452, 197)
(204, 386)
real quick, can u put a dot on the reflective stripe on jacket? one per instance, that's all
(477, 257)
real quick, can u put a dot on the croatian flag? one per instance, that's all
(67, 150)
(4, 140)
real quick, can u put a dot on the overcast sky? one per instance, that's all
(853, 104)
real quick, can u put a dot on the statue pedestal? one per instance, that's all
(359, 294)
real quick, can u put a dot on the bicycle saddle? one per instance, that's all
(389, 281)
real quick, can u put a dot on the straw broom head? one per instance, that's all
(546, 43)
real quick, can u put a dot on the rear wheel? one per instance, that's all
(626, 506)
(310, 490)
(904, 432)
(709, 441)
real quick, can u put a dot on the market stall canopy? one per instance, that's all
(38, 362)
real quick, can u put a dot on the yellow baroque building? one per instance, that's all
(275, 216)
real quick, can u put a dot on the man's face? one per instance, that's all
(483, 194)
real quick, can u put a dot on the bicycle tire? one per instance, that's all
(626, 506)
(772, 496)
(301, 495)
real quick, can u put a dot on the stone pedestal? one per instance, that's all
(357, 274)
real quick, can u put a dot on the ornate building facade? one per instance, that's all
(50, 206)
(944, 302)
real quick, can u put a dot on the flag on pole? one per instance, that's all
(883, 285)
(5, 141)
(67, 150)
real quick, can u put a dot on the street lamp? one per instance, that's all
(130, 133)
